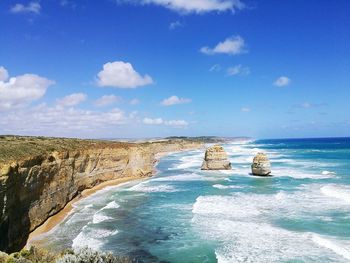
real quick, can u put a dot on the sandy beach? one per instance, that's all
(56, 219)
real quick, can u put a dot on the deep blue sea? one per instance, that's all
(183, 214)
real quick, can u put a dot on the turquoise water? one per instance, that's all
(183, 214)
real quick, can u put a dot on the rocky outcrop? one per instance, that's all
(216, 159)
(36, 188)
(261, 165)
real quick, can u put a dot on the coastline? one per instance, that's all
(59, 217)
(54, 220)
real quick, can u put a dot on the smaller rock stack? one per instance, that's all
(261, 165)
(216, 159)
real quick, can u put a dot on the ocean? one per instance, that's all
(183, 214)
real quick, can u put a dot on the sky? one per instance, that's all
(156, 68)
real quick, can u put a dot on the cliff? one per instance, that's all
(216, 159)
(34, 188)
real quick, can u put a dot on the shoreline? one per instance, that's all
(54, 220)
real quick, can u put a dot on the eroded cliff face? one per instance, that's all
(34, 189)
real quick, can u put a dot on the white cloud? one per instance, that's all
(173, 100)
(150, 121)
(177, 123)
(282, 81)
(21, 90)
(232, 46)
(32, 7)
(308, 105)
(72, 100)
(134, 101)
(238, 70)
(121, 74)
(245, 109)
(61, 121)
(215, 67)
(107, 100)
(4, 75)
(160, 121)
(194, 6)
(175, 25)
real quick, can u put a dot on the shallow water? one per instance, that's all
(301, 214)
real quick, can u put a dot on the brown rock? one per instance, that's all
(261, 165)
(216, 159)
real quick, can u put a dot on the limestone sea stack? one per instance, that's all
(216, 159)
(261, 165)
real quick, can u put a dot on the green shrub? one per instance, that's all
(87, 255)
(38, 255)
(3, 257)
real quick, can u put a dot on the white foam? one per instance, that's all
(190, 161)
(241, 159)
(280, 196)
(146, 187)
(91, 238)
(111, 205)
(189, 164)
(99, 217)
(339, 192)
(220, 186)
(298, 173)
(180, 177)
(223, 205)
(328, 172)
(240, 224)
(225, 171)
(242, 150)
(332, 245)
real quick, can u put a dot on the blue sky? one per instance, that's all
(149, 68)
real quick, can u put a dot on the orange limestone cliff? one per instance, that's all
(36, 187)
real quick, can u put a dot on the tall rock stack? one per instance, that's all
(216, 159)
(261, 165)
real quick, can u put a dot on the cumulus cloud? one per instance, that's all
(107, 100)
(32, 7)
(21, 90)
(194, 6)
(173, 100)
(4, 75)
(160, 121)
(72, 100)
(282, 81)
(121, 74)
(231, 46)
(61, 121)
(245, 109)
(150, 121)
(238, 70)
